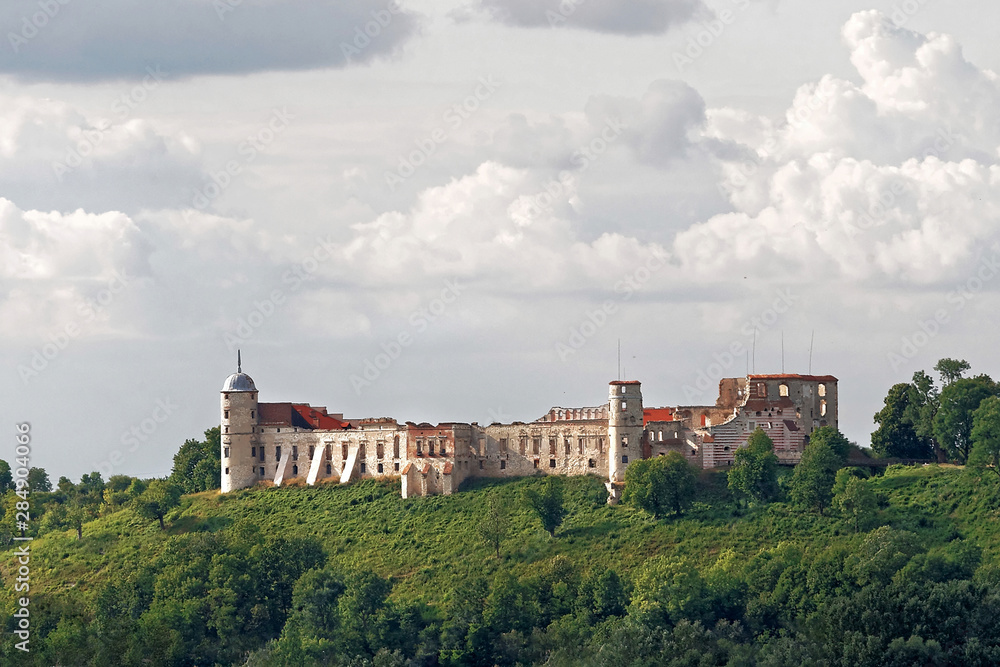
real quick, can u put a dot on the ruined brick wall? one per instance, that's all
(561, 448)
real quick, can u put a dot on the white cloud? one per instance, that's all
(630, 17)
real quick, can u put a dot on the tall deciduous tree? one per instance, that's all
(755, 469)
(812, 481)
(38, 480)
(857, 502)
(951, 369)
(896, 435)
(197, 463)
(6, 480)
(953, 421)
(986, 435)
(661, 484)
(159, 498)
(494, 524)
(547, 505)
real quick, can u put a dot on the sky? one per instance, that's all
(456, 210)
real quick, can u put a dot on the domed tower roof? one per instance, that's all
(239, 381)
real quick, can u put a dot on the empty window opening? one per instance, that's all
(420, 448)
(821, 390)
(625, 459)
(312, 452)
(295, 471)
(430, 448)
(783, 389)
(822, 408)
(624, 441)
(343, 451)
(396, 466)
(329, 469)
(535, 463)
(591, 463)
(227, 471)
(503, 465)
(552, 463)
(503, 444)
(481, 464)
(536, 444)
(277, 453)
(380, 468)
(362, 467)
(395, 447)
(295, 452)
(225, 414)
(262, 471)
(253, 452)
(624, 406)
(524, 444)
(226, 452)
(379, 450)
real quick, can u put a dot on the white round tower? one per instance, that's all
(239, 425)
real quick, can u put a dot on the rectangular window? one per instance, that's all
(329, 469)
(579, 442)
(262, 471)
(379, 450)
(480, 464)
(625, 459)
(536, 444)
(343, 451)
(277, 453)
(568, 444)
(262, 452)
(225, 414)
(624, 406)
(227, 471)
(624, 441)
(253, 414)
(329, 453)
(362, 450)
(552, 463)
(396, 465)
(535, 463)
(395, 448)
(503, 445)
(524, 444)
(295, 452)
(312, 452)
(443, 450)
(430, 448)
(552, 446)
(380, 468)
(600, 445)
(503, 465)
(661, 436)
(420, 448)
(253, 452)
(362, 466)
(226, 452)
(591, 463)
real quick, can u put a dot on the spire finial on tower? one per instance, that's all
(239, 362)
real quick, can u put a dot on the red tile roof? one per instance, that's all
(657, 415)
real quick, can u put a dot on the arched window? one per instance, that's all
(783, 389)
(821, 390)
(822, 408)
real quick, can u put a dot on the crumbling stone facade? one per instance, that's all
(284, 443)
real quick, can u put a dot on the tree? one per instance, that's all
(547, 505)
(755, 469)
(953, 421)
(197, 463)
(896, 435)
(660, 484)
(159, 498)
(812, 481)
(951, 370)
(833, 438)
(986, 435)
(923, 404)
(857, 502)
(495, 524)
(6, 480)
(38, 480)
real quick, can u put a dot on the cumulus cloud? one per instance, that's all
(629, 17)
(61, 40)
(890, 182)
(54, 157)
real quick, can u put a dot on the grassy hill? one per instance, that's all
(427, 546)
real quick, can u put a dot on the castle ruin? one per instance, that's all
(285, 442)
